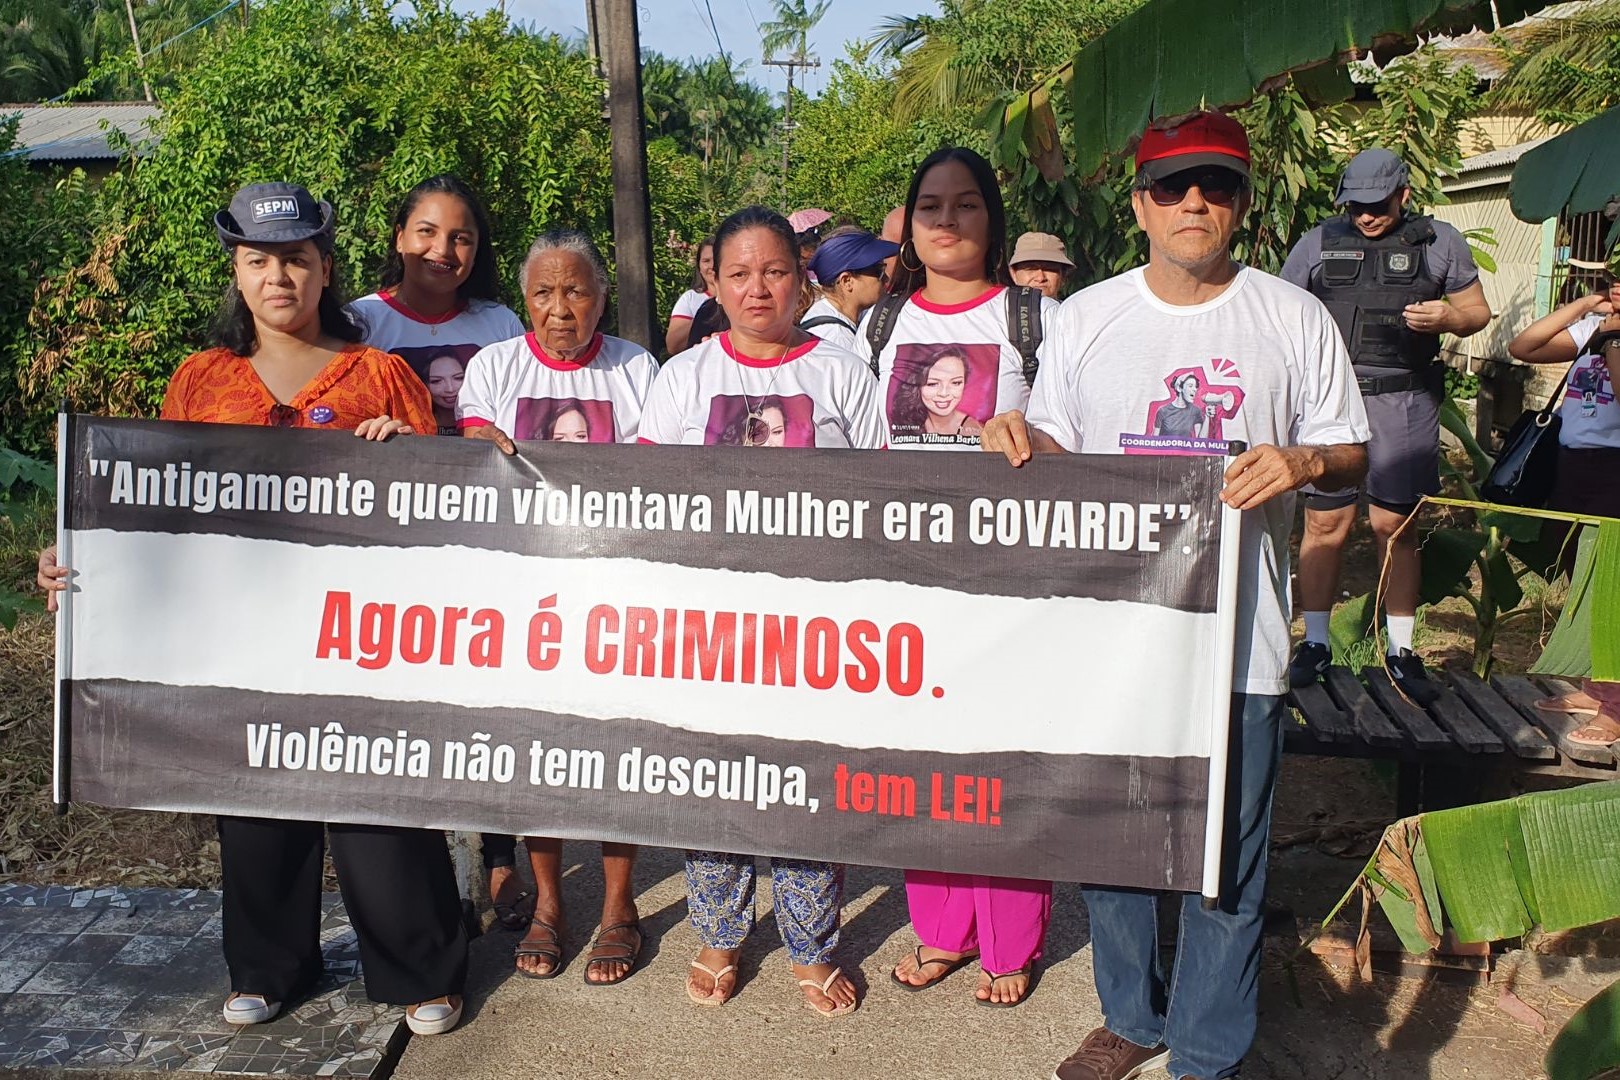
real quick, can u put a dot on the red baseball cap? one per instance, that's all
(1206, 138)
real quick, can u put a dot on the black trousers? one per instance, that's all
(399, 888)
(498, 849)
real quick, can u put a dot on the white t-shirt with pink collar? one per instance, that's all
(687, 304)
(531, 396)
(815, 395)
(947, 369)
(436, 348)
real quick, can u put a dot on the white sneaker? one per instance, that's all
(243, 1009)
(434, 1017)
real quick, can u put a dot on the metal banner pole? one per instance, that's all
(64, 621)
(1220, 720)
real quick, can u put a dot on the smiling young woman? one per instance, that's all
(440, 297)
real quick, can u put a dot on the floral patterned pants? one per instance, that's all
(807, 897)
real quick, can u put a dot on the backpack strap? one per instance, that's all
(880, 324)
(825, 320)
(1024, 327)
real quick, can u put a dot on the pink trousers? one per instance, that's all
(1003, 918)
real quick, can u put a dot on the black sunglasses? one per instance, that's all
(1219, 187)
(1368, 209)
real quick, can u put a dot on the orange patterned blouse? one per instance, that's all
(220, 387)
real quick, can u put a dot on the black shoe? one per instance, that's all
(1310, 662)
(1407, 671)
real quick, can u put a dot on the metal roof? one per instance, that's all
(1500, 157)
(74, 132)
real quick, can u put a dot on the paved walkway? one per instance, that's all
(128, 983)
(121, 984)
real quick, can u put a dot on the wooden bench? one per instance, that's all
(1476, 726)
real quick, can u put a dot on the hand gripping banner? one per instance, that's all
(920, 660)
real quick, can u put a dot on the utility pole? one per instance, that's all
(135, 38)
(632, 213)
(792, 63)
(593, 35)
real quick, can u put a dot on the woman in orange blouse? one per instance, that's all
(289, 356)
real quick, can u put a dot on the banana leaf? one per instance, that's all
(1590, 1042)
(1550, 858)
(1586, 639)
(1171, 57)
(1572, 173)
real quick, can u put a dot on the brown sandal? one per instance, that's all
(622, 952)
(545, 950)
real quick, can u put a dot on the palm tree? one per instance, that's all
(1564, 67)
(791, 28)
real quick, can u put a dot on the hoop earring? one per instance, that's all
(914, 269)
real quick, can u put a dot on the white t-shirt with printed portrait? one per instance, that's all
(815, 395)
(1589, 413)
(598, 398)
(436, 349)
(946, 369)
(1123, 372)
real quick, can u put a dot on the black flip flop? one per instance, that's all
(516, 913)
(1028, 970)
(951, 967)
(634, 953)
(546, 950)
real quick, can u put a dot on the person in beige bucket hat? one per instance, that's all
(1039, 261)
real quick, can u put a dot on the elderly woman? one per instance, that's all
(1039, 262)
(566, 381)
(761, 377)
(290, 356)
(947, 366)
(849, 279)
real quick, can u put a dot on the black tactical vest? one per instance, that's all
(1366, 284)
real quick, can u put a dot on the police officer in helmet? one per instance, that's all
(1394, 282)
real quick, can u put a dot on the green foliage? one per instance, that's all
(22, 481)
(358, 103)
(51, 47)
(851, 155)
(791, 28)
(710, 111)
(1565, 68)
(48, 217)
(1588, 1045)
(1486, 561)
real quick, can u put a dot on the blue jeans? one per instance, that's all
(1206, 1011)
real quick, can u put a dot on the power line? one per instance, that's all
(716, 28)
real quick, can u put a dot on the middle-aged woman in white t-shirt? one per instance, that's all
(764, 382)
(565, 381)
(947, 367)
(1586, 335)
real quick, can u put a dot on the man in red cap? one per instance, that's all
(1184, 355)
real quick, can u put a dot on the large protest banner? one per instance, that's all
(920, 660)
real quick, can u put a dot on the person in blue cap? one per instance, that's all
(1394, 282)
(850, 277)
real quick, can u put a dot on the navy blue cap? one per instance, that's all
(1371, 177)
(274, 214)
(849, 251)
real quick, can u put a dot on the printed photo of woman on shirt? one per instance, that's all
(564, 420)
(772, 420)
(942, 393)
(442, 368)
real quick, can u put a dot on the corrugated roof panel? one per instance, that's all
(75, 133)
